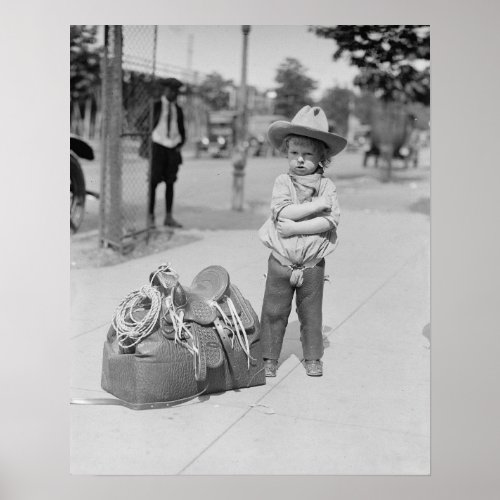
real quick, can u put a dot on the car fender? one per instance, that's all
(81, 148)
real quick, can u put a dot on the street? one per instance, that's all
(203, 190)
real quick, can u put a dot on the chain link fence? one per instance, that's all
(132, 81)
(139, 77)
(127, 93)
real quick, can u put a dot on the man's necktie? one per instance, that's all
(169, 118)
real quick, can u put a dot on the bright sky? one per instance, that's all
(219, 48)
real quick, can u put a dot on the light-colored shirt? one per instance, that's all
(303, 250)
(160, 135)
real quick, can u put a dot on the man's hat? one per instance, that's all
(173, 83)
(310, 122)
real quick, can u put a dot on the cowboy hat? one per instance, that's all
(310, 122)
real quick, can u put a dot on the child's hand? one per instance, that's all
(285, 227)
(324, 204)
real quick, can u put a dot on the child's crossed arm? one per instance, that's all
(288, 227)
(289, 216)
(295, 212)
(289, 223)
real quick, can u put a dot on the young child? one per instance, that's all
(301, 231)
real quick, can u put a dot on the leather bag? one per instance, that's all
(159, 368)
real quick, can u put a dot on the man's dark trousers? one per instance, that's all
(164, 167)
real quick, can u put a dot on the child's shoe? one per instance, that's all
(314, 368)
(270, 367)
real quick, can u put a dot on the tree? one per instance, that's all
(85, 79)
(337, 103)
(393, 59)
(214, 91)
(294, 87)
(364, 106)
(85, 59)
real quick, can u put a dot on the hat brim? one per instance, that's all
(280, 129)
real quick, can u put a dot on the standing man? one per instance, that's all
(169, 135)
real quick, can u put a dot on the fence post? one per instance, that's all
(103, 135)
(111, 201)
(150, 129)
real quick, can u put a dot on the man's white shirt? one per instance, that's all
(160, 131)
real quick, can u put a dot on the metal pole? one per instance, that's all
(104, 134)
(244, 90)
(241, 150)
(150, 129)
(114, 225)
(155, 44)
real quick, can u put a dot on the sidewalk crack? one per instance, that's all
(89, 331)
(364, 302)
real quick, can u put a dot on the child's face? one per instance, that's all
(302, 158)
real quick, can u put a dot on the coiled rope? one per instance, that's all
(130, 330)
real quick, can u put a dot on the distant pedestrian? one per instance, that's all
(301, 231)
(412, 144)
(168, 137)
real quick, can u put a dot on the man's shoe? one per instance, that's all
(171, 222)
(314, 368)
(151, 222)
(270, 367)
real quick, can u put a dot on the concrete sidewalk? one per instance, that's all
(368, 414)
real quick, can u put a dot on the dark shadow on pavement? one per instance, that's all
(292, 345)
(350, 176)
(404, 179)
(422, 206)
(426, 332)
(203, 218)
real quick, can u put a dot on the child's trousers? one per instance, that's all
(278, 304)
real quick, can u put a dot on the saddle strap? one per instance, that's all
(135, 406)
(210, 349)
(199, 358)
(228, 344)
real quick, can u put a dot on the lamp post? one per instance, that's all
(241, 149)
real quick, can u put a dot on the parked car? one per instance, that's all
(79, 148)
(257, 130)
(215, 145)
(221, 130)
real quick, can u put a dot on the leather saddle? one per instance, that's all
(206, 306)
(209, 286)
(167, 341)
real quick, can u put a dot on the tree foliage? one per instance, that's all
(364, 106)
(337, 103)
(85, 59)
(214, 91)
(294, 87)
(393, 59)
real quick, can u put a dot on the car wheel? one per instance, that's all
(77, 194)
